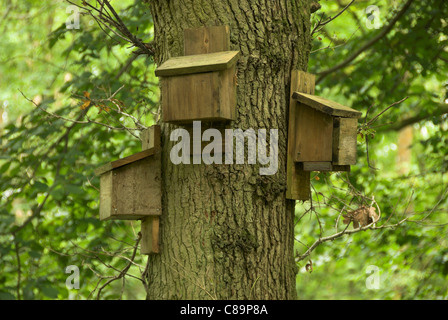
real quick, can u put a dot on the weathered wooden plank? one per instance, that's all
(326, 106)
(106, 195)
(313, 135)
(344, 141)
(150, 235)
(323, 166)
(317, 166)
(124, 161)
(209, 62)
(151, 138)
(206, 40)
(298, 181)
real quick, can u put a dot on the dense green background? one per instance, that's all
(46, 164)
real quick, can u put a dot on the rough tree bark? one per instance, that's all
(226, 231)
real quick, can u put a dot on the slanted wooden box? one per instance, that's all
(199, 87)
(325, 134)
(131, 188)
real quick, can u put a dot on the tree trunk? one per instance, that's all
(226, 231)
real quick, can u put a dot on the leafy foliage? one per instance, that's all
(48, 210)
(409, 61)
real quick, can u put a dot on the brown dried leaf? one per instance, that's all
(85, 105)
(309, 266)
(347, 219)
(102, 107)
(373, 215)
(362, 216)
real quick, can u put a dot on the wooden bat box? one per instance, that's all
(131, 188)
(199, 87)
(325, 134)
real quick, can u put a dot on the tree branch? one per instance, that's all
(344, 232)
(320, 24)
(367, 45)
(108, 17)
(396, 126)
(89, 121)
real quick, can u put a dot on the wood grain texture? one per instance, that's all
(151, 138)
(314, 131)
(209, 62)
(206, 40)
(317, 166)
(298, 181)
(192, 97)
(326, 106)
(150, 229)
(344, 141)
(105, 195)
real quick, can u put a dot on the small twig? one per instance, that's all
(321, 24)
(367, 153)
(107, 17)
(367, 45)
(19, 268)
(76, 121)
(123, 272)
(379, 114)
(339, 215)
(92, 184)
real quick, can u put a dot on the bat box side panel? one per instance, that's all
(227, 94)
(314, 131)
(344, 141)
(106, 195)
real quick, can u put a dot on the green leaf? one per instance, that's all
(50, 292)
(5, 167)
(42, 187)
